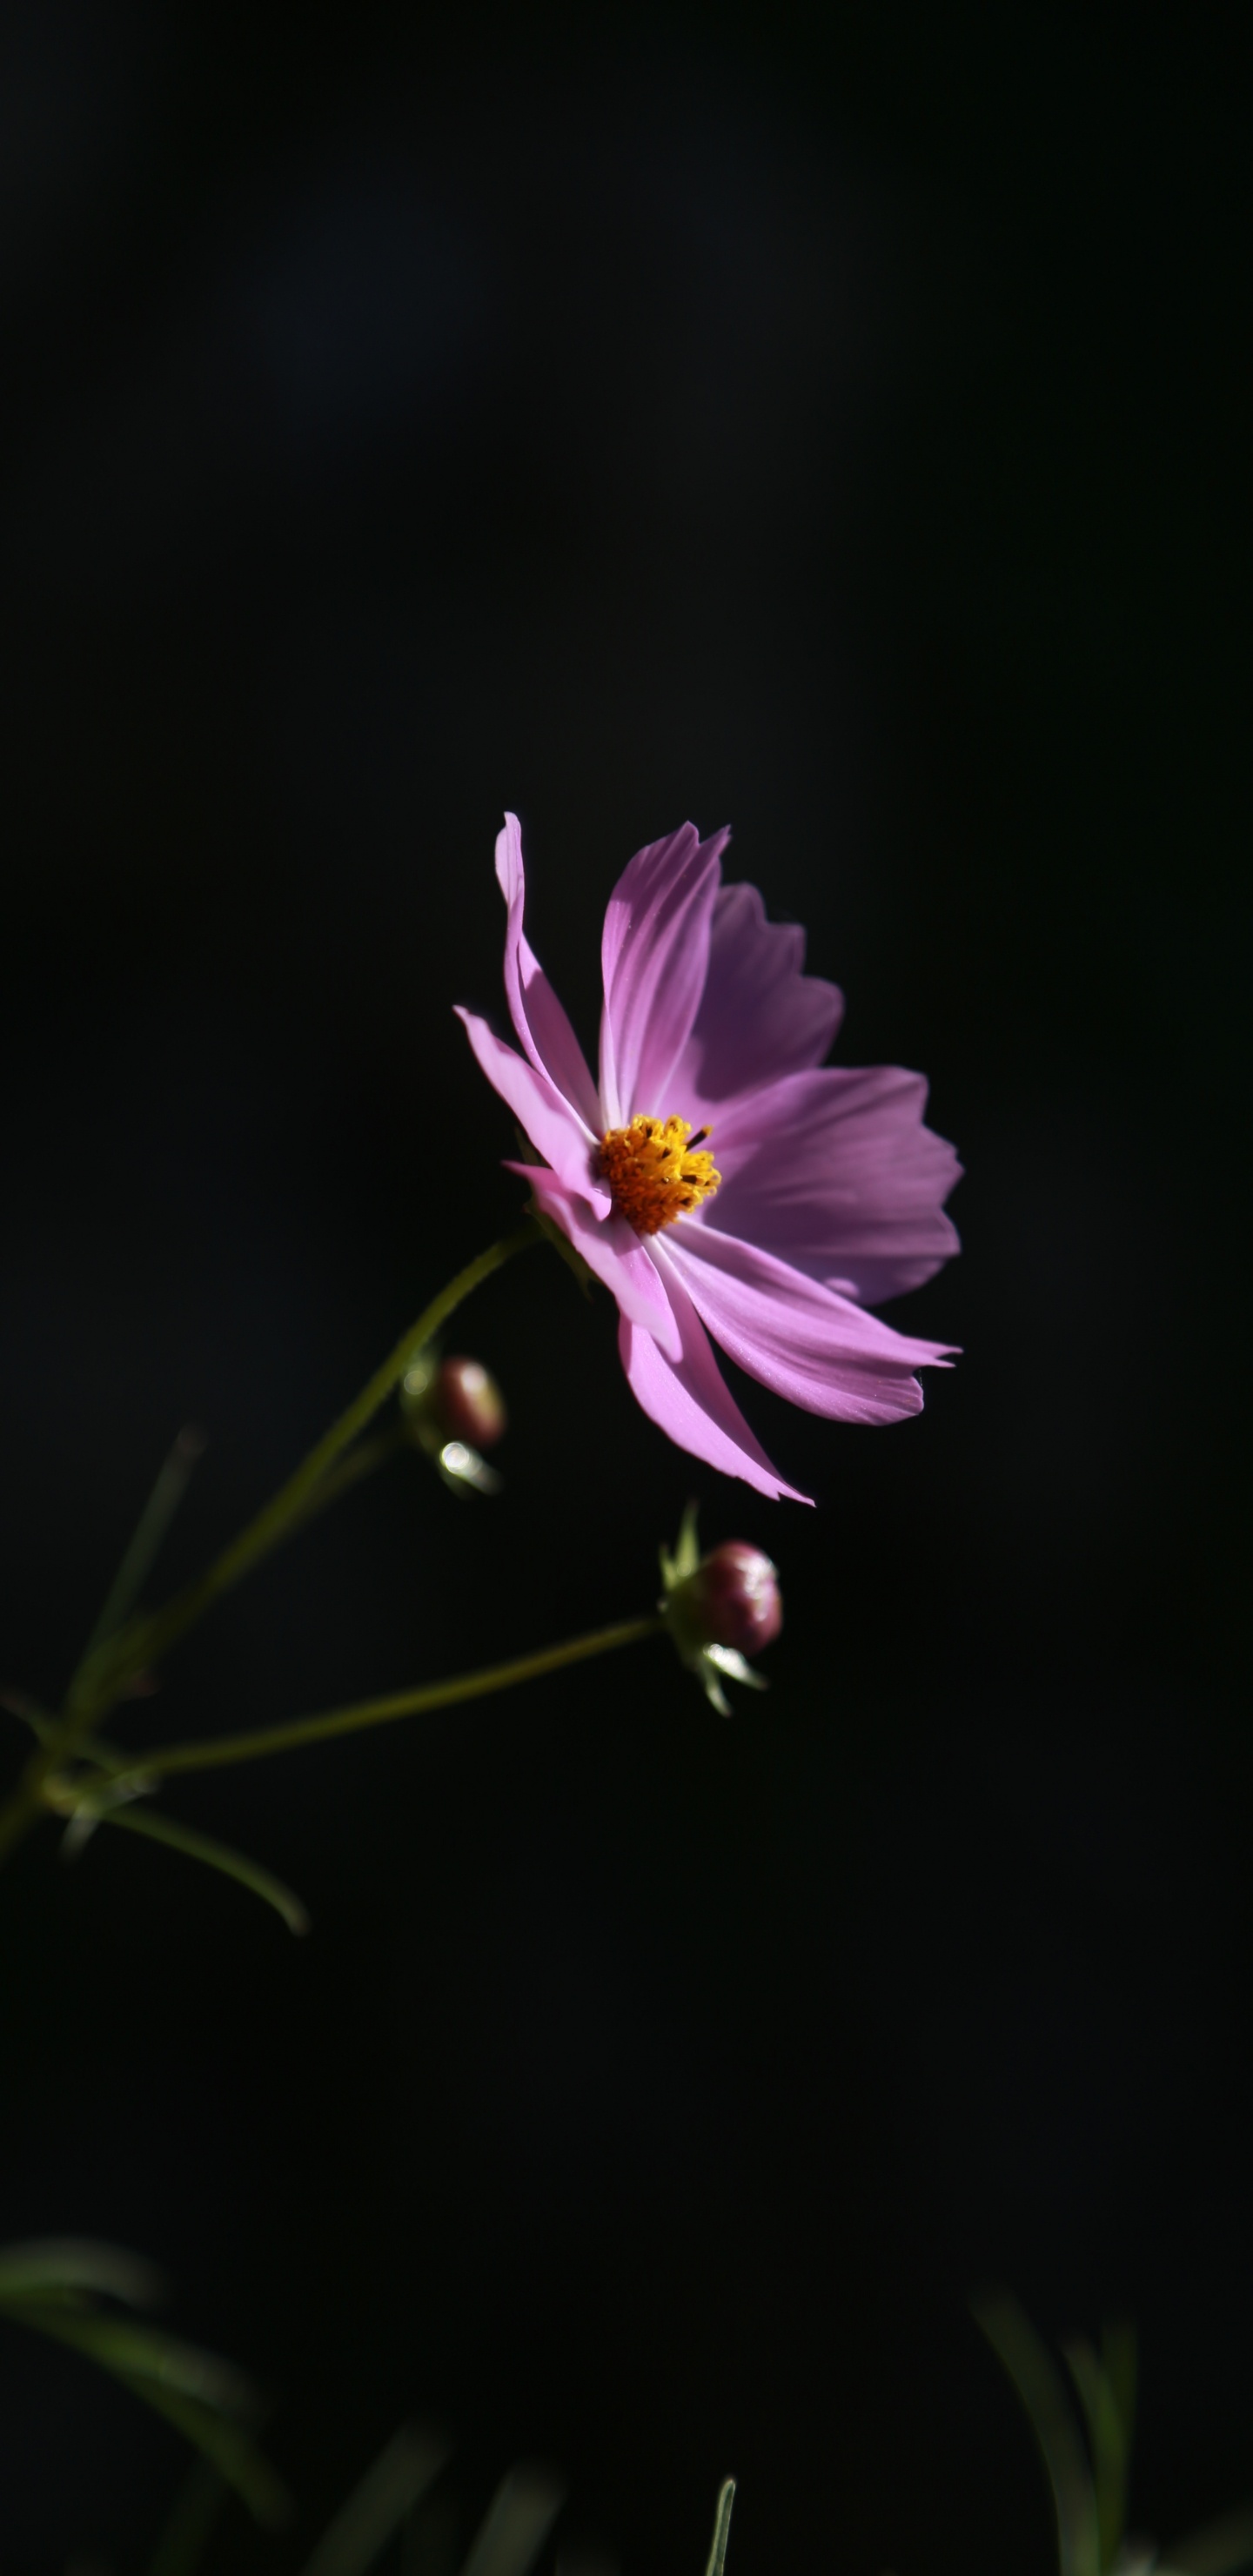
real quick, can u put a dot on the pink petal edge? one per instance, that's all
(836, 1173)
(691, 1402)
(538, 1017)
(543, 1113)
(798, 1337)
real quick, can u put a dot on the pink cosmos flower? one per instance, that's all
(719, 1178)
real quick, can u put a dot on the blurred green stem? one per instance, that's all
(212, 1753)
(110, 1664)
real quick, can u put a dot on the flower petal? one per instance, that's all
(654, 953)
(613, 1250)
(543, 1112)
(760, 1015)
(538, 1016)
(691, 1402)
(835, 1173)
(798, 1337)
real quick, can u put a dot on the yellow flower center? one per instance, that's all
(653, 1174)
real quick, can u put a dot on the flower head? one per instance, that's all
(718, 1177)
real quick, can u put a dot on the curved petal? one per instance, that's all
(613, 1250)
(691, 1402)
(537, 1015)
(760, 1015)
(836, 1174)
(654, 953)
(543, 1112)
(797, 1336)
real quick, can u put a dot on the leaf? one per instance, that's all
(150, 1530)
(722, 2528)
(1107, 2396)
(55, 2265)
(215, 1855)
(1119, 2362)
(376, 2508)
(1043, 2395)
(231, 2450)
(518, 2521)
(195, 2391)
(142, 2352)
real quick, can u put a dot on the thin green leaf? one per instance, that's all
(182, 2545)
(1109, 2441)
(215, 1855)
(1043, 2396)
(518, 2521)
(722, 2528)
(189, 2387)
(150, 1530)
(1120, 2364)
(1218, 2549)
(141, 2352)
(50, 2265)
(231, 2450)
(376, 2508)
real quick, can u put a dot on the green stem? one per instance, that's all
(212, 1753)
(103, 1675)
(153, 1637)
(363, 1461)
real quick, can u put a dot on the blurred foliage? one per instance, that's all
(1084, 2435)
(72, 2289)
(392, 2503)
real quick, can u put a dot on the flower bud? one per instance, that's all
(466, 1404)
(454, 1410)
(733, 1598)
(720, 1608)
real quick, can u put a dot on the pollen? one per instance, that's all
(653, 1172)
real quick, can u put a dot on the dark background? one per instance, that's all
(820, 420)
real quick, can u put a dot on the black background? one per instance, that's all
(821, 421)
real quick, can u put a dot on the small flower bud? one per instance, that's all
(720, 1608)
(454, 1410)
(735, 1596)
(466, 1404)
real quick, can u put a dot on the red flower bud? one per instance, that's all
(733, 1599)
(719, 1608)
(464, 1403)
